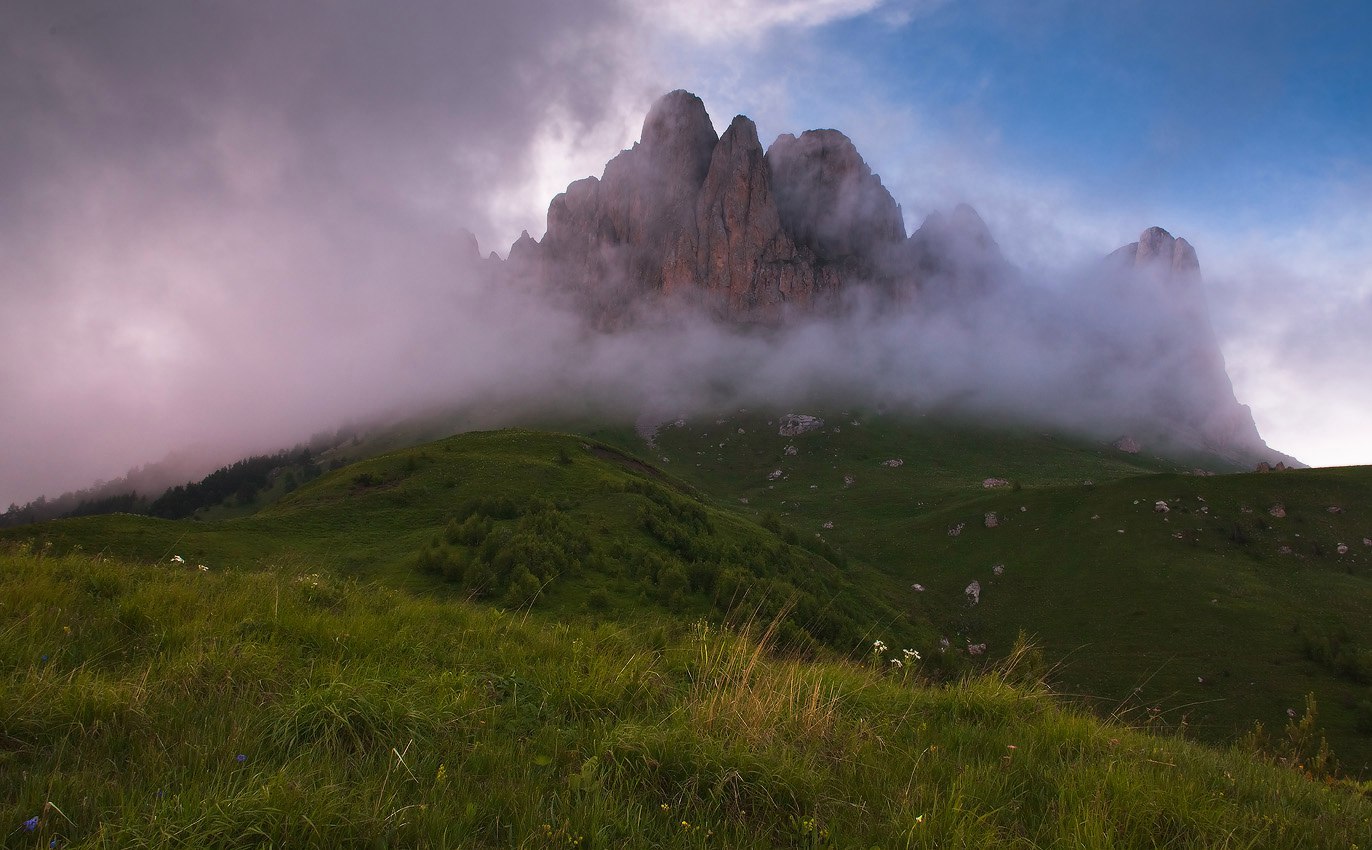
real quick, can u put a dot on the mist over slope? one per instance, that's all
(709, 271)
(700, 272)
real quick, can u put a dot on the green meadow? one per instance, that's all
(582, 638)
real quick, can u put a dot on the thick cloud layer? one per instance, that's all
(228, 225)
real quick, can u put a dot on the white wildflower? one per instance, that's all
(878, 647)
(177, 559)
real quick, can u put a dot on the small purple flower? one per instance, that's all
(240, 758)
(31, 824)
(43, 659)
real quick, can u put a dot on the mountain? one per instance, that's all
(714, 223)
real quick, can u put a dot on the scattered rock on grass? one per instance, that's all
(992, 520)
(791, 451)
(893, 462)
(774, 475)
(976, 649)
(1343, 549)
(795, 424)
(973, 592)
(1277, 511)
(955, 530)
(998, 569)
(1128, 445)
(1335, 509)
(992, 483)
(1161, 507)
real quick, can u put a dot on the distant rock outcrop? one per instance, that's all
(795, 424)
(1128, 445)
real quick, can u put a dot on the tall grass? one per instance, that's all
(161, 706)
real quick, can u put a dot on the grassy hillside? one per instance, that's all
(1211, 615)
(161, 706)
(526, 519)
(1206, 618)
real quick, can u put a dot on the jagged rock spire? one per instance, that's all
(829, 199)
(745, 262)
(1159, 250)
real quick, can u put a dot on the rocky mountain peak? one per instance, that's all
(467, 249)
(828, 197)
(1171, 325)
(1159, 250)
(745, 262)
(679, 137)
(956, 253)
(969, 225)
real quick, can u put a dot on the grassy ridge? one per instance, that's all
(161, 706)
(524, 518)
(1234, 621)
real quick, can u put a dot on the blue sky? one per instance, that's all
(1184, 104)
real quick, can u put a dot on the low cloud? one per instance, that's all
(227, 226)
(218, 217)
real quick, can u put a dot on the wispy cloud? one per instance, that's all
(718, 22)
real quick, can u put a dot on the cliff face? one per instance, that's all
(833, 204)
(744, 264)
(751, 236)
(748, 234)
